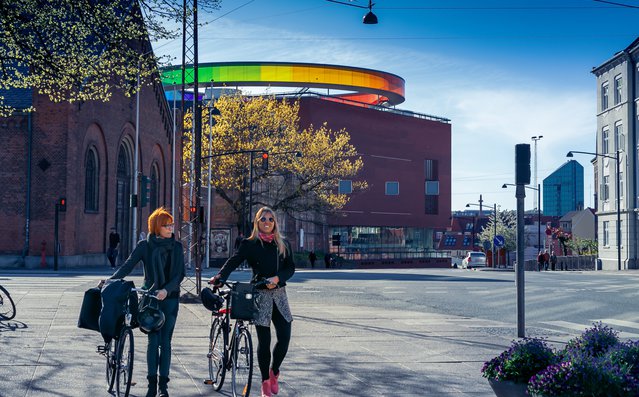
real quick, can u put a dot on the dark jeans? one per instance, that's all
(283, 333)
(112, 255)
(158, 351)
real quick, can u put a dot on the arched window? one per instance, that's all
(92, 172)
(154, 199)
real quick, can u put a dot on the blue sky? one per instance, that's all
(502, 71)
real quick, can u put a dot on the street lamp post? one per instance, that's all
(480, 205)
(538, 189)
(616, 158)
(536, 138)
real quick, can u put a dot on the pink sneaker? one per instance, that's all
(266, 388)
(275, 388)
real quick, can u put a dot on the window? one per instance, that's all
(621, 184)
(392, 188)
(469, 226)
(430, 170)
(604, 96)
(154, 195)
(618, 86)
(466, 241)
(606, 234)
(605, 188)
(620, 137)
(345, 187)
(432, 205)
(450, 241)
(432, 188)
(91, 180)
(605, 132)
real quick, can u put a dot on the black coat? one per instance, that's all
(264, 260)
(173, 275)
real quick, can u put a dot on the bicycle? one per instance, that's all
(230, 349)
(119, 352)
(7, 307)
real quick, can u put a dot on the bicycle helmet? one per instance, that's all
(150, 317)
(211, 300)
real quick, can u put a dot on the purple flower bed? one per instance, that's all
(593, 364)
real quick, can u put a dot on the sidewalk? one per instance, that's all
(341, 350)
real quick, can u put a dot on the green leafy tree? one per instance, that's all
(291, 183)
(82, 50)
(506, 226)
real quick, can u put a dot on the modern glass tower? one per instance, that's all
(564, 189)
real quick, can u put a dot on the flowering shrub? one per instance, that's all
(592, 364)
(584, 376)
(522, 360)
(593, 342)
(626, 356)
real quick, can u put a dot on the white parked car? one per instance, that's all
(474, 259)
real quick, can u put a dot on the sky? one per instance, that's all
(502, 71)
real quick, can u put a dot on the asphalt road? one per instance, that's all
(413, 332)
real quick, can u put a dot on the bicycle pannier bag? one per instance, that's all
(90, 311)
(243, 304)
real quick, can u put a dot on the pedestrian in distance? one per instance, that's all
(553, 261)
(114, 243)
(546, 260)
(163, 261)
(270, 257)
(327, 260)
(540, 261)
(312, 258)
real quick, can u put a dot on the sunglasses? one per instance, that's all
(264, 219)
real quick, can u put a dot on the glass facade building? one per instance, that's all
(382, 242)
(563, 190)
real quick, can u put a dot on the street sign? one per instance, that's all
(499, 241)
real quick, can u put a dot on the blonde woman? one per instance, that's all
(270, 257)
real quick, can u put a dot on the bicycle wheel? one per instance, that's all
(124, 363)
(217, 357)
(7, 307)
(242, 363)
(109, 353)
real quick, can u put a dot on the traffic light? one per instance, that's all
(336, 240)
(145, 191)
(522, 164)
(265, 161)
(62, 204)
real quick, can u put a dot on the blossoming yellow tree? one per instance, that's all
(292, 183)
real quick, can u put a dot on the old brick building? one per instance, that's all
(85, 153)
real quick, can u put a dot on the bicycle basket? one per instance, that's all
(211, 300)
(243, 304)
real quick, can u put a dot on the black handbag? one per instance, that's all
(243, 302)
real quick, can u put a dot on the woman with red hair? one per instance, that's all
(163, 262)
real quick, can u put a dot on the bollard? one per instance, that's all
(43, 249)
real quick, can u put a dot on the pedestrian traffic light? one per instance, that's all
(62, 204)
(145, 191)
(265, 161)
(336, 240)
